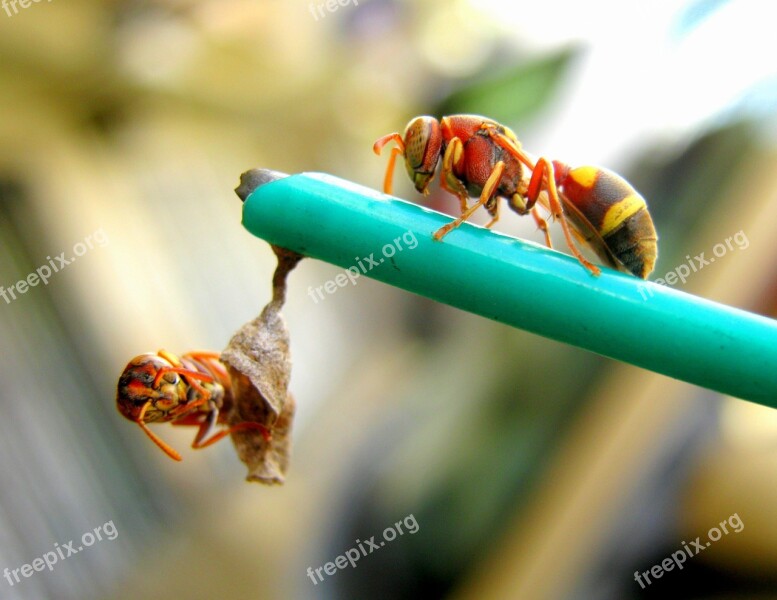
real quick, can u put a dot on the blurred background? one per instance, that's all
(532, 469)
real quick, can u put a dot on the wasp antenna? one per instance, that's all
(377, 147)
(162, 445)
(154, 438)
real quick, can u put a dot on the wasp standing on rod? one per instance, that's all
(484, 159)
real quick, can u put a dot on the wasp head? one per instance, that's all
(143, 394)
(423, 145)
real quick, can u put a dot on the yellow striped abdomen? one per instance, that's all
(617, 213)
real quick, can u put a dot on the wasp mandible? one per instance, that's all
(484, 159)
(193, 389)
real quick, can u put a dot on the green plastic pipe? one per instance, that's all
(513, 281)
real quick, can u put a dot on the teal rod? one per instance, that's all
(515, 282)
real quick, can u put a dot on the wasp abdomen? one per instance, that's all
(634, 243)
(618, 214)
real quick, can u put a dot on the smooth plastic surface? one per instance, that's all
(519, 283)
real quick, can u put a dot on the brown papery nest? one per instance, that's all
(257, 358)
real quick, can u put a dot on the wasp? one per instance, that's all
(484, 159)
(193, 389)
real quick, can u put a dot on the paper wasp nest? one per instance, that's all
(259, 366)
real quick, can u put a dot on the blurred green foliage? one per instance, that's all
(515, 94)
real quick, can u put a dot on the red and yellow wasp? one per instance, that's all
(194, 389)
(484, 159)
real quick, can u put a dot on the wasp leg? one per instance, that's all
(544, 173)
(212, 359)
(203, 355)
(182, 409)
(188, 420)
(396, 151)
(198, 443)
(542, 224)
(211, 422)
(508, 144)
(448, 181)
(178, 366)
(186, 374)
(494, 214)
(225, 432)
(488, 190)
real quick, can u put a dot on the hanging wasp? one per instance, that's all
(484, 159)
(194, 389)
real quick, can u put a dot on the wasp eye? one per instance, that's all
(423, 144)
(170, 377)
(417, 135)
